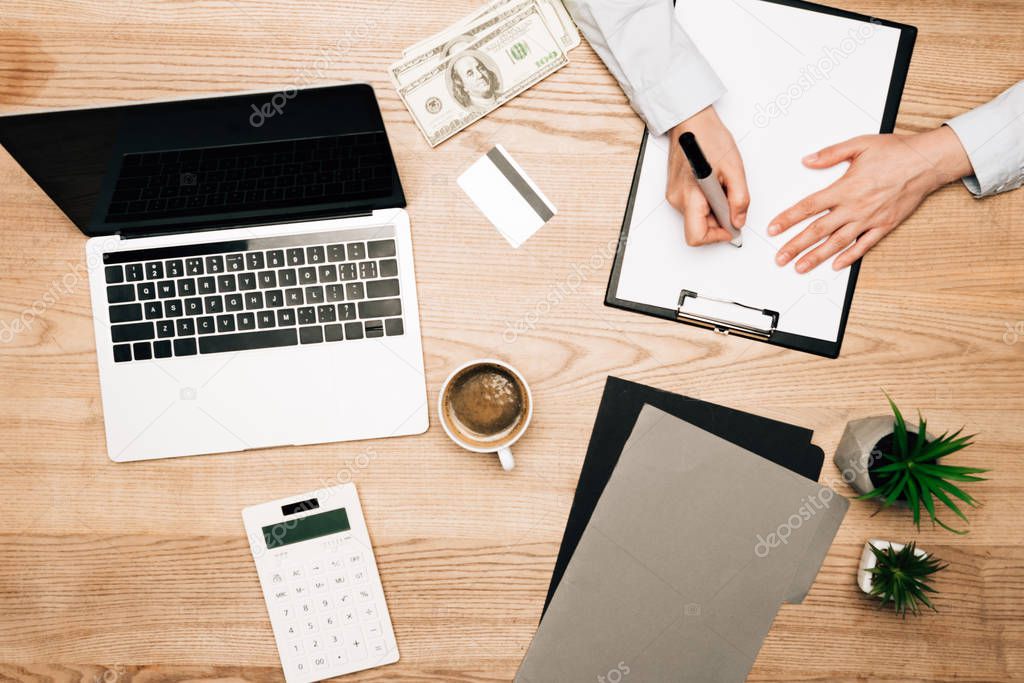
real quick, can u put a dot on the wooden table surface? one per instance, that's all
(117, 571)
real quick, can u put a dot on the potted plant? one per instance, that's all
(882, 459)
(899, 574)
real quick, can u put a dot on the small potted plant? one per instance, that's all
(899, 574)
(882, 459)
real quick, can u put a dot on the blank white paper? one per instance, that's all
(797, 81)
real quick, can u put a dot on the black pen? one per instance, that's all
(709, 185)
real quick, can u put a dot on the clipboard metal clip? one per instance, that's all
(723, 326)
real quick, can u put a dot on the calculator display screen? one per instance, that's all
(298, 530)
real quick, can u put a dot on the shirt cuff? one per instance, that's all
(689, 86)
(990, 136)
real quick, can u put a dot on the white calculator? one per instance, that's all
(320, 581)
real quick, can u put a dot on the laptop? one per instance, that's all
(250, 267)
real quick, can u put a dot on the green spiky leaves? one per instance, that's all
(901, 578)
(914, 473)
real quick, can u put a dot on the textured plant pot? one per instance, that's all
(853, 456)
(868, 561)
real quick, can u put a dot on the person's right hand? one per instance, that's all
(685, 194)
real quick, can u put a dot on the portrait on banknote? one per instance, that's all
(473, 80)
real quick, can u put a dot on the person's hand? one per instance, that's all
(685, 194)
(888, 178)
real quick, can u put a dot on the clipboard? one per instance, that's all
(752, 316)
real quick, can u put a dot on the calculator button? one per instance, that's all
(292, 631)
(300, 590)
(348, 617)
(338, 580)
(279, 594)
(339, 658)
(330, 621)
(355, 558)
(373, 629)
(306, 608)
(334, 640)
(364, 594)
(345, 599)
(320, 662)
(296, 573)
(315, 568)
(320, 585)
(310, 626)
(336, 563)
(286, 612)
(377, 648)
(368, 611)
(298, 666)
(359, 574)
(313, 645)
(355, 645)
(324, 604)
(277, 578)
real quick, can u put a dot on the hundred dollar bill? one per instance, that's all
(483, 75)
(557, 18)
(448, 42)
(554, 12)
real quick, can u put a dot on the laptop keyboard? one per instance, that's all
(253, 294)
(190, 182)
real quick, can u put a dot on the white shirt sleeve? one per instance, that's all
(665, 77)
(993, 135)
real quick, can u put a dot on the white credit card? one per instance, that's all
(506, 196)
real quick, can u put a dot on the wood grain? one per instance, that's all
(114, 573)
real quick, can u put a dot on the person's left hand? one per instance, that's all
(888, 178)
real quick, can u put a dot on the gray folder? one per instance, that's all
(671, 579)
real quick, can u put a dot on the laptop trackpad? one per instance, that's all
(258, 399)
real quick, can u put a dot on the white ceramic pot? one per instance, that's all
(868, 560)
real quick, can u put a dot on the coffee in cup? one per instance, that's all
(485, 406)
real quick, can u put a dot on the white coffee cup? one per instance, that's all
(501, 441)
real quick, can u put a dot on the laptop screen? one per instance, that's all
(215, 162)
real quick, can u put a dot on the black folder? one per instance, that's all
(784, 444)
